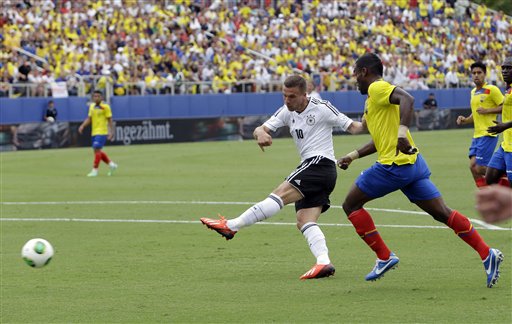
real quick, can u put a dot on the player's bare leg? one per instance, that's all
(478, 172)
(493, 176)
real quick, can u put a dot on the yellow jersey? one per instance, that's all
(506, 118)
(99, 115)
(383, 119)
(488, 97)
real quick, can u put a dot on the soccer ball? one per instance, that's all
(37, 252)
(50, 119)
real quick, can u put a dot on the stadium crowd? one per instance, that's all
(192, 46)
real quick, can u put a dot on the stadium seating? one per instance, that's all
(214, 46)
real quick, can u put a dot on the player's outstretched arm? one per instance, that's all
(262, 135)
(499, 127)
(357, 127)
(367, 149)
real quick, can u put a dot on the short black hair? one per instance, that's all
(296, 81)
(98, 92)
(479, 65)
(372, 62)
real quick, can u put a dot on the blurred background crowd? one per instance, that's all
(135, 47)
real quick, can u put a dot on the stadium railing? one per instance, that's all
(86, 84)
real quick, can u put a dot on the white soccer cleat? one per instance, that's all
(111, 168)
(93, 173)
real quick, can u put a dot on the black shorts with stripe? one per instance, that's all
(315, 179)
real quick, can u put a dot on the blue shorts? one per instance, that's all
(482, 148)
(412, 179)
(502, 160)
(98, 141)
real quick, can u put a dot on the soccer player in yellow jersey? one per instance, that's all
(486, 103)
(387, 115)
(501, 161)
(100, 116)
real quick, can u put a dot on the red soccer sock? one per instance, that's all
(480, 182)
(363, 223)
(504, 182)
(97, 159)
(465, 230)
(104, 157)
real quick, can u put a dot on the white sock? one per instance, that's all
(316, 242)
(112, 163)
(261, 211)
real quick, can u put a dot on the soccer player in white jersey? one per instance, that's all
(311, 122)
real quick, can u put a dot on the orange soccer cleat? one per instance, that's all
(219, 225)
(319, 271)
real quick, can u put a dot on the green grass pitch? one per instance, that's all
(157, 263)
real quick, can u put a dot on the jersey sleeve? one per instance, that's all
(344, 121)
(496, 95)
(277, 120)
(336, 118)
(89, 113)
(379, 93)
(108, 111)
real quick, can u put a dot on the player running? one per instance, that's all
(387, 114)
(311, 123)
(486, 103)
(501, 161)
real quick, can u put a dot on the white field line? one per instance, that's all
(96, 220)
(483, 224)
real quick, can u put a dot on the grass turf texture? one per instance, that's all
(182, 272)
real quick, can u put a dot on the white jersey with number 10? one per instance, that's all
(312, 128)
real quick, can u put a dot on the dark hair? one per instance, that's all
(98, 92)
(372, 62)
(479, 65)
(295, 81)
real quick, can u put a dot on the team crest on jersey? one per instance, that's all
(310, 120)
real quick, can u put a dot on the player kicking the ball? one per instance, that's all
(388, 112)
(311, 123)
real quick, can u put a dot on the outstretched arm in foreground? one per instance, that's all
(494, 203)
